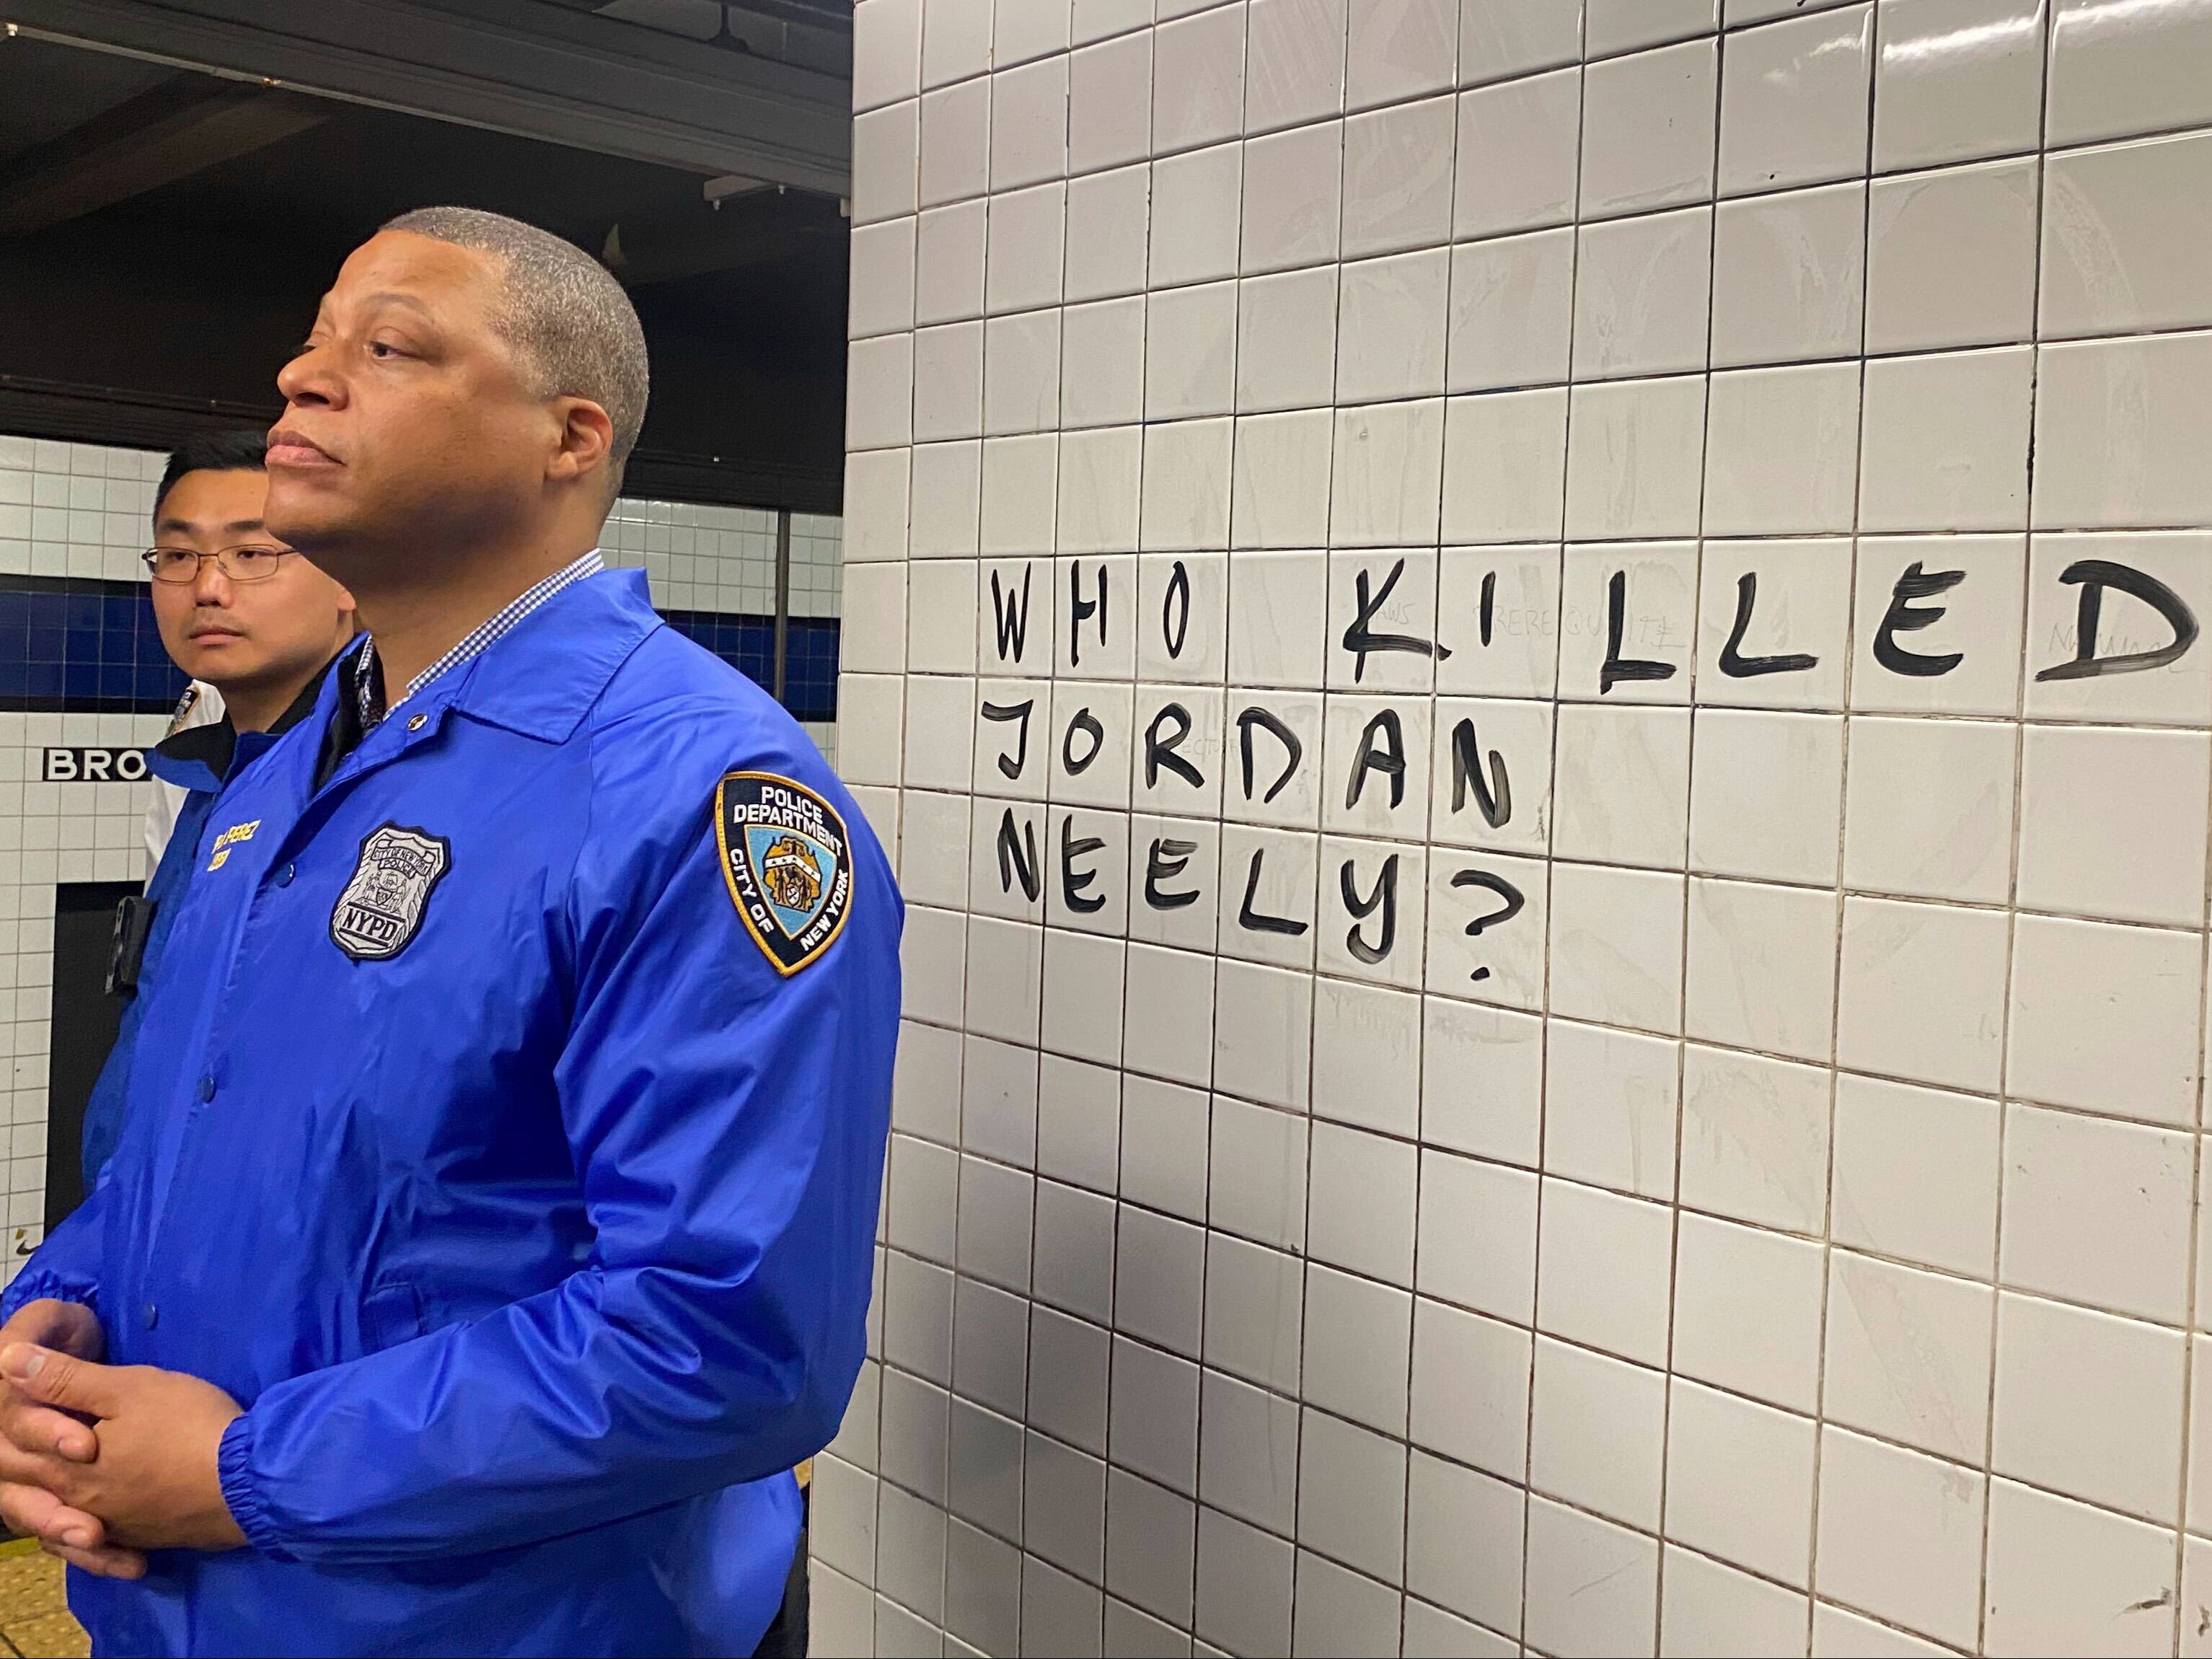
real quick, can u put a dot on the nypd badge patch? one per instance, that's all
(788, 862)
(182, 711)
(381, 907)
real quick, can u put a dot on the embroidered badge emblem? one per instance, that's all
(382, 906)
(788, 862)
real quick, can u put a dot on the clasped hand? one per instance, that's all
(101, 1463)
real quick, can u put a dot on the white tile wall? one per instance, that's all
(82, 510)
(66, 510)
(51, 833)
(75, 510)
(1661, 1114)
(723, 558)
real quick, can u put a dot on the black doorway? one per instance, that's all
(83, 1028)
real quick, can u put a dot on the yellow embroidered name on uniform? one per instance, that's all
(228, 839)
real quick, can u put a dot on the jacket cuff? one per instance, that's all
(34, 1285)
(235, 1467)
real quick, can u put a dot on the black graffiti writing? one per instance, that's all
(1617, 668)
(1739, 667)
(1359, 636)
(1011, 764)
(1258, 719)
(1493, 798)
(1510, 901)
(1014, 863)
(1387, 756)
(1384, 898)
(1080, 610)
(1074, 884)
(1174, 611)
(1160, 752)
(1256, 920)
(1906, 615)
(1013, 616)
(2093, 576)
(1168, 859)
(1087, 724)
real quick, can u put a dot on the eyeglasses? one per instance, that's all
(238, 564)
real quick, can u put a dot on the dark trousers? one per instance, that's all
(786, 1637)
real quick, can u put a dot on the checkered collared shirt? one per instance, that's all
(479, 639)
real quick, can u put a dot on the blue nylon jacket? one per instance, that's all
(538, 1248)
(103, 1109)
(110, 1090)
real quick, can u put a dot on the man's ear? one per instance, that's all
(587, 440)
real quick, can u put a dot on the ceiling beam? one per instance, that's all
(514, 66)
(757, 229)
(171, 131)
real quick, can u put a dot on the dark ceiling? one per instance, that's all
(164, 237)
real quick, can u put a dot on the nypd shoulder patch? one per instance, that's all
(788, 864)
(182, 712)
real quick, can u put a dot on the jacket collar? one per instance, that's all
(203, 758)
(540, 679)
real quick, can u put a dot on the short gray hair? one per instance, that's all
(561, 308)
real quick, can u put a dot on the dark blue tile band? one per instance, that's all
(748, 644)
(72, 645)
(76, 646)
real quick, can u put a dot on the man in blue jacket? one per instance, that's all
(491, 1227)
(250, 618)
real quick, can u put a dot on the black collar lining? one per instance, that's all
(216, 745)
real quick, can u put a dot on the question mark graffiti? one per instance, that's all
(1513, 902)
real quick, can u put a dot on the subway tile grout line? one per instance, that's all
(2193, 1291)
(1988, 1485)
(1682, 971)
(1551, 834)
(1826, 1291)
(1930, 535)
(2193, 1288)
(1303, 1271)
(1419, 1028)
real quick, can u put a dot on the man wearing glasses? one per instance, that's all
(253, 623)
